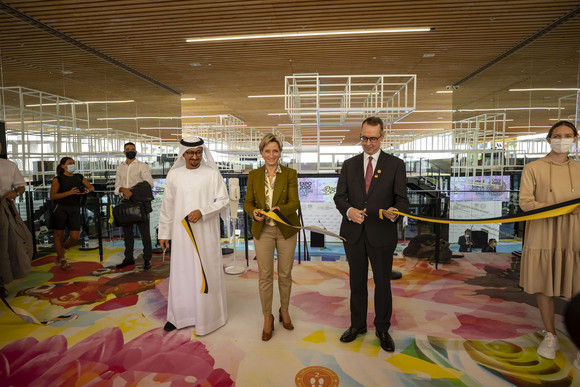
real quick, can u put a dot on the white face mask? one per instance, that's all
(71, 168)
(562, 145)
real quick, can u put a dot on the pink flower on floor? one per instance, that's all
(156, 356)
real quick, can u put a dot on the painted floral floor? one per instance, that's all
(465, 324)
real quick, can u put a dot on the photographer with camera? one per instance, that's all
(65, 192)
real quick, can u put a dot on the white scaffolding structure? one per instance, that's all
(478, 144)
(314, 101)
(42, 127)
(569, 110)
(232, 140)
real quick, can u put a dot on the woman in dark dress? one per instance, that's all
(65, 191)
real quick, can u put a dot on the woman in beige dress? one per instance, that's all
(551, 254)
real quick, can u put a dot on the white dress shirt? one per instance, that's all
(366, 161)
(10, 178)
(129, 175)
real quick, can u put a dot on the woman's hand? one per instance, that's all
(257, 216)
(576, 210)
(73, 191)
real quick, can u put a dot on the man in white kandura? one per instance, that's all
(194, 198)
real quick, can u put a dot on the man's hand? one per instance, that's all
(257, 216)
(389, 214)
(194, 216)
(10, 195)
(576, 210)
(357, 216)
(164, 243)
(126, 192)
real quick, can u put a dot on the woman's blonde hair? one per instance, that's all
(268, 138)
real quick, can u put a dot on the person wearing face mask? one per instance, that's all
(550, 265)
(65, 192)
(130, 173)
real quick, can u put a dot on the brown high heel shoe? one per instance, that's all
(268, 335)
(286, 325)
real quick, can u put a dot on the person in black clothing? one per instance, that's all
(130, 173)
(491, 246)
(65, 191)
(465, 243)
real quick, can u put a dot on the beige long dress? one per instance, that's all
(551, 253)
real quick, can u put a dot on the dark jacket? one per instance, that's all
(142, 192)
(388, 189)
(285, 196)
(463, 246)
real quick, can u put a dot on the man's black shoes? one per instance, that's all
(147, 265)
(387, 342)
(351, 333)
(169, 327)
(125, 263)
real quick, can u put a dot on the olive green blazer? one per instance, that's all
(285, 196)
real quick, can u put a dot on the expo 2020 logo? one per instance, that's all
(316, 377)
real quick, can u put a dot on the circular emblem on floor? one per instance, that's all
(316, 377)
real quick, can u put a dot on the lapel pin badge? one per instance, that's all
(379, 171)
(376, 176)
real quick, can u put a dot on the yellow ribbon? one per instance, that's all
(551, 211)
(30, 318)
(189, 231)
(278, 217)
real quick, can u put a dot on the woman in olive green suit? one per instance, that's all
(273, 187)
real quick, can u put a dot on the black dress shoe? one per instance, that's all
(125, 263)
(147, 266)
(169, 327)
(387, 342)
(351, 333)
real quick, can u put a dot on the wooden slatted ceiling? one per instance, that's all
(150, 37)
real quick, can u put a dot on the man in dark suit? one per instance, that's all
(465, 243)
(370, 182)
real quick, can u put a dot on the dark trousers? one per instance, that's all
(381, 258)
(129, 237)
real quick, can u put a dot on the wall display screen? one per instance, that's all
(461, 191)
(317, 201)
(317, 189)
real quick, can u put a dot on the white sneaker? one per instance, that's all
(577, 361)
(548, 346)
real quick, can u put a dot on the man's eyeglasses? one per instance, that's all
(373, 140)
(191, 153)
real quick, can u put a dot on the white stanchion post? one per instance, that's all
(234, 191)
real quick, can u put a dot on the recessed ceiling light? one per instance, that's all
(195, 64)
(302, 34)
(428, 55)
(548, 89)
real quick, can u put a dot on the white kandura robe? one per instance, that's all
(187, 190)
